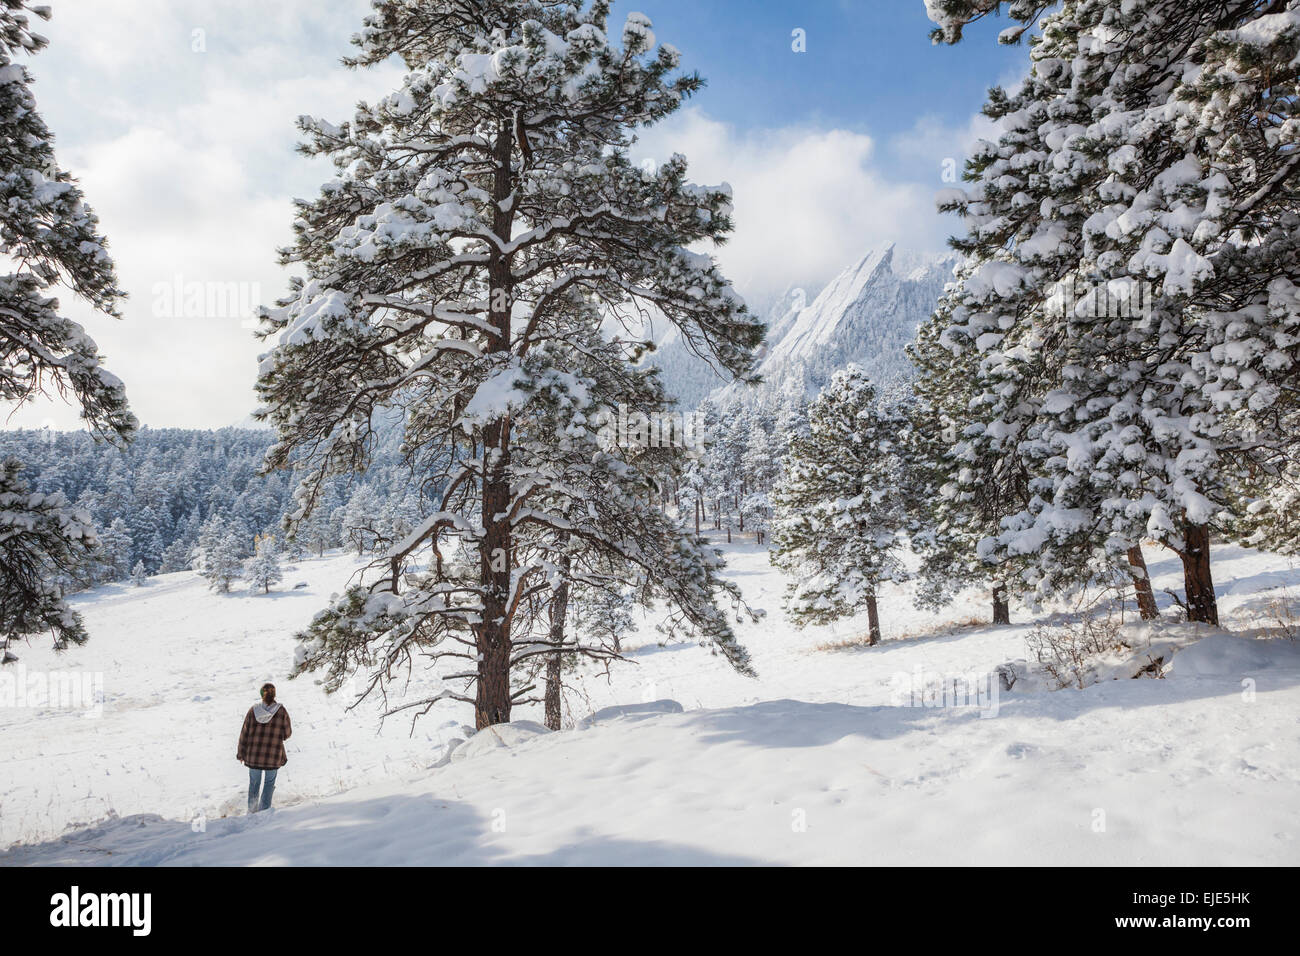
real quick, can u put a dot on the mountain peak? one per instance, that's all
(867, 314)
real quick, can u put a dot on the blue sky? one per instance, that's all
(178, 117)
(869, 65)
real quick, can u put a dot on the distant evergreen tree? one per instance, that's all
(842, 506)
(115, 551)
(966, 489)
(361, 520)
(761, 469)
(139, 575)
(294, 549)
(263, 569)
(604, 614)
(318, 531)
(176, 557)
(221, 562)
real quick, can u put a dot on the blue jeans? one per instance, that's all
(255, 782)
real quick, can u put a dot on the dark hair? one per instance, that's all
(262, 692)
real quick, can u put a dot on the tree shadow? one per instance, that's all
(796, 723)
(397, 830)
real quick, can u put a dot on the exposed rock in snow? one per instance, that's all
(629, 712)
(498, 737)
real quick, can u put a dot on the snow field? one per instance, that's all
(818, 761)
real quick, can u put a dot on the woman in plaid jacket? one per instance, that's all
(261, 746)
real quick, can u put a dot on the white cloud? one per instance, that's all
(808, 201)
(931, 145)
(188, 159)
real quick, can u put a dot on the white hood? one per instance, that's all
(264, 713)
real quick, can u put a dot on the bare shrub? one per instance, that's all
(1284, 612)
(1068, 650)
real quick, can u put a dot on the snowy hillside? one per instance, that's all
(819, 760)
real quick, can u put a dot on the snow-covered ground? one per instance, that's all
(820, 760)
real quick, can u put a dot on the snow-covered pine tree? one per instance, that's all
(606, 529)
(146, 527)
(50, 237)
(472, 210)
(176, 557)
(1149, 157)
(263, 569)
(211, 534)
(761, 469)
(361, 520)
(294, 549)
(318, 531)
(964, 488)
(604, 613)
(42, 540)
(1272, 509)
(841, 506)
(221, 564)
(115, 550)
(139, 574)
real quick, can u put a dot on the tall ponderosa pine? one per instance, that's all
(1133, 303)
(841, 507)
(479, 215)
(50, 237)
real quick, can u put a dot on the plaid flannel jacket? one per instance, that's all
(261, 746)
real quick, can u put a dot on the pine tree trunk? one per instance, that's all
(1146, 599)
(559, 614)
(492, 633)
(1202, 605)
(873, 620)
(1001, 605)
(492, 700)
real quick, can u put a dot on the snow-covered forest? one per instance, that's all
(542, 514)
(164, 501)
